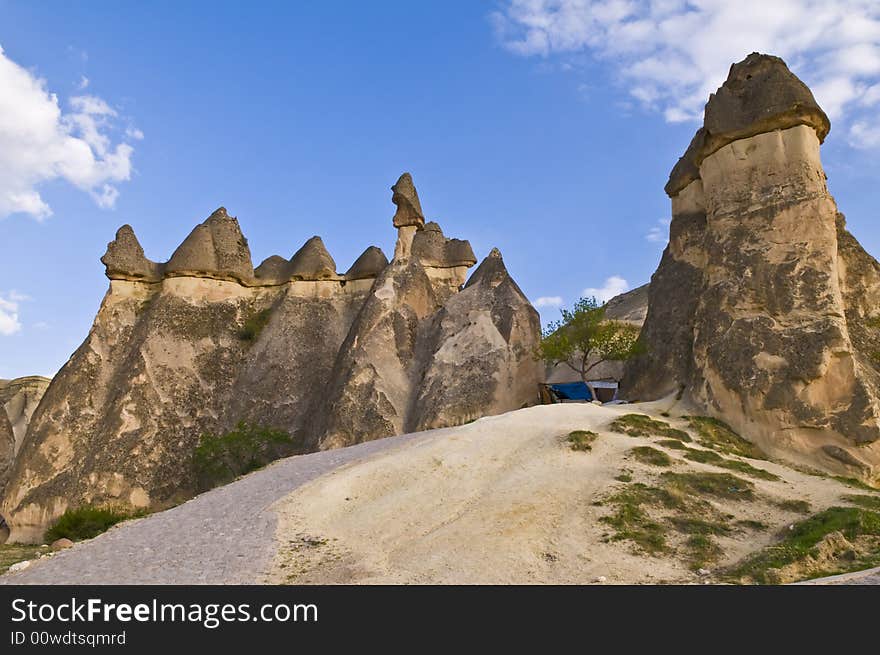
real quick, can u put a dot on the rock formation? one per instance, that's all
(19, 398)
(764, 310)
(197, 344)
(18, 401)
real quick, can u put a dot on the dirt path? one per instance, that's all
(225, 536)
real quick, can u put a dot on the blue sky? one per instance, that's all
(531, 126)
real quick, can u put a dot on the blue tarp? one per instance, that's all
(572, 391)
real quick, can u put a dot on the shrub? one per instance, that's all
(219, 459)
(254, 325)
(87, 522)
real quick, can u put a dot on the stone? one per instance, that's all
(434, 249)
(20, 398)
(369, 265)
(332, 360)
(409, 209)
(61, 544)
(761, 310)
(273, 270)
(759, 96)
(7, 450)
(125, 259)
(19, 566)
(215, 249)
(311, 262)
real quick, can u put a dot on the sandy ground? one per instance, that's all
(505, 500)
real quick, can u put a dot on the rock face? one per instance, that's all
(198, 344)
(19, 398)
(764, 310)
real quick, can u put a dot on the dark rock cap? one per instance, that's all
(491, 270)
(311, 262)
(273, 270)
(215, 248)
(371, 262)
(125, 259)
(434, 249)
(760, 95)
(409, 209)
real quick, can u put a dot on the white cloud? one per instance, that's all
(83, 83)
(671, 54)
(659, 233)
(549, 301)
(614, 286)
(134, 133)
(9, 322)
(39, 143)
(864, 136)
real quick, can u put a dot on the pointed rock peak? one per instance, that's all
(432, 227)
(371, 262)
(311, 262)
(125, 259)
(409, 209)
(491, 270)
(215, 248)
(273, 269)
(760, 95)
(218, 215)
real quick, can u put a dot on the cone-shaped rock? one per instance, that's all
(125, 259)
(409, 209)
(216, 248)
(371, 262)
(311, 262)
(273, 270)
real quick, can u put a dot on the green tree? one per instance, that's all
(584, 338)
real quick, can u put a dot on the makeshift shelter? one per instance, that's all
(560, 392)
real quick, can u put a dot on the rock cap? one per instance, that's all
(760, 95)
(409, 209)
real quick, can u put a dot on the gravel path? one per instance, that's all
(224, 536)
(867, 577)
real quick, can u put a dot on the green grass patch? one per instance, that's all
(639, 425)
(718, 435)
(801, 542)
(652, 456)
(854, 482)
(751, 524)
(694, 525)
(702, 551)
(713, 458)
(868, 502)
(624, 477)
(581, 440)
(675, 444)
(87, 522)
(254, 324)
(719, 485)
(799, 506)
(13, 553)
(631, 522)
(219, 459)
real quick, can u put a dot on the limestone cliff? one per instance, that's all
(764, 309)
(199, 343)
